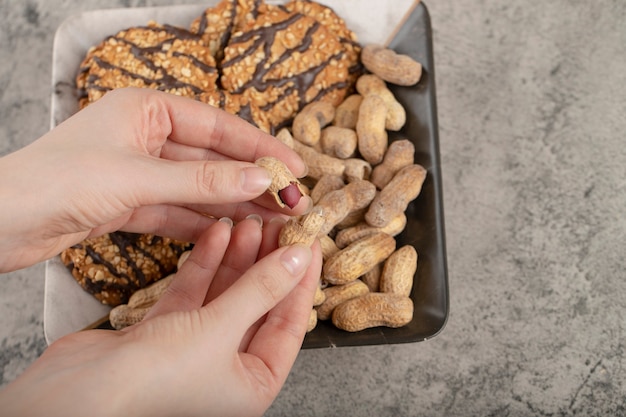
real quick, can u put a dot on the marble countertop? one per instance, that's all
(532, 114)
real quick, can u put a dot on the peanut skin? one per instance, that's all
(398, 271)
(404, 187)
(359, 257)
(390, 66)
(373, 310)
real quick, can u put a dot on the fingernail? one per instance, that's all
(306, 171)
(279, 219)
(227, 220)
(310, 204)
(296, 259)
(255, 180)
(256, 218)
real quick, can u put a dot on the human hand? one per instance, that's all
(220, 341)
(140, 161)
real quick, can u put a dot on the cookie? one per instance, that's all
(113, 266)
(217, 24)
(282, 61)
(331, 21)
(160, 57)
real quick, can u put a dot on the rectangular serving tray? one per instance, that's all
(405, 26)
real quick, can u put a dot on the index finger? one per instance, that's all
(201, 125)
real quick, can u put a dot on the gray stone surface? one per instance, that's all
(532, 112)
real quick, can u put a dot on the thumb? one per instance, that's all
(199, 182)
(262, 287)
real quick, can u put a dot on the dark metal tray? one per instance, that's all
(425, 226)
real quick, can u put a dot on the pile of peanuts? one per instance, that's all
(361, 186)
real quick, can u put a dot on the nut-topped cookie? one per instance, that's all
(218, 23)
(283, 60)
(331, 21)
(113, 266)
(155, 56)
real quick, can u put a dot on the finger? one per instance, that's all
(193, 279)
(263, 286)
(269, 243)
(239, 256)
(279, 337)
(203, 126)
(157, 181)
(166, 220)
(181, 152)
(265, 206)
(271, 231)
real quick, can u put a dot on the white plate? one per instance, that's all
(67, 308)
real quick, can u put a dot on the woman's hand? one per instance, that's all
(220, 342)
(140, 161)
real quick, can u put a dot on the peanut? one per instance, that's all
(338, 294)
(370, 129)
(399, 154)
(390, 66)
(403, 188)
(182, 258)
(338, 204)
(352, 219)
(398, 271)
(285, 187)
(336, 207)
(373, 310)
(308, 124)
(302, 230)
(360, 194)
(339, 142)
(371, 84)
(148, 296)
(359, 257)
(123, 315)
(372, 278)
(347, 113)
(356, 169)
(319, 297)
(312, 320)
(284, 135)
(318, 163)
(324, 185)
(346, 236)
(329, 248)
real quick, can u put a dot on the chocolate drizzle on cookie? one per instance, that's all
(263, 38)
